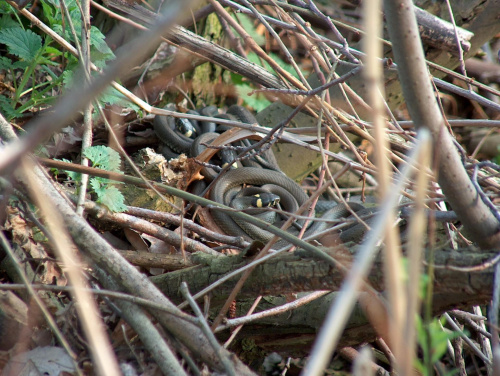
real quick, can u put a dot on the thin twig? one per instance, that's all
(206, 329)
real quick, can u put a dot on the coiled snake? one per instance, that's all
(229, 188)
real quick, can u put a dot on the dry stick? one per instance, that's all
(188, 224)
(200, 47)
(493, 318)
(100, 348)
(340, 115)
(472, 345)
(146, 107)
(363, 362)
(87, 113)
(479, 123)
(392, 250)
(240, 326)
(103, 254)
(288, 56)
(206, 329)
(466, 94)
(341, 309)
(273, 311)
(27, 285)
(84, 59)
(464, 315)
(262, 253)
(484, 335)
(355, 52)
(474, 213)
(316, 57)
(142, 324)
(234, 42)
(415, 244)
(345, 46)
(285, 25)
(68, 106)
(453, 88)
(254, 46)
(168, 236)
(479, 329)
(324, 164)
(106, 293)
(457, 40)
(345, 90)
(290, 78)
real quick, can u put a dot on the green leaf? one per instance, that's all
(257, 101)
(97, 185)
(5, 63)
(6, 8)
(6, 108)
(68, 78)
(113, 199)
(111, 96)
(49, 12)
(52, 52)
(103, 157)
(20, 64)
(54, 3)
(23, 43)
(75, 176)
(438, 339)
(7, 22)
(97, 41)
(254, 58)
(247, 23)
(100, 59)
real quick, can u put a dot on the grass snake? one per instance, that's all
(263, 174)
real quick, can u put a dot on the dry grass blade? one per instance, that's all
(341, 309)
(88, 311)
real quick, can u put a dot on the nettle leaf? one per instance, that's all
(97, 185)
(97, 41)
(55, 11)
(7, 22)
(113, 199)
(6, 108)
(23, 43)
(75, 176)
(111, 96)
(103, 157)
(100, 59)
(100, 53)
(20, 64)
(5, 63)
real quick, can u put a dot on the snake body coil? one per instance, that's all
(229, 187)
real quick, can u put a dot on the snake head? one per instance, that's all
(185, 127)
(265, 200)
